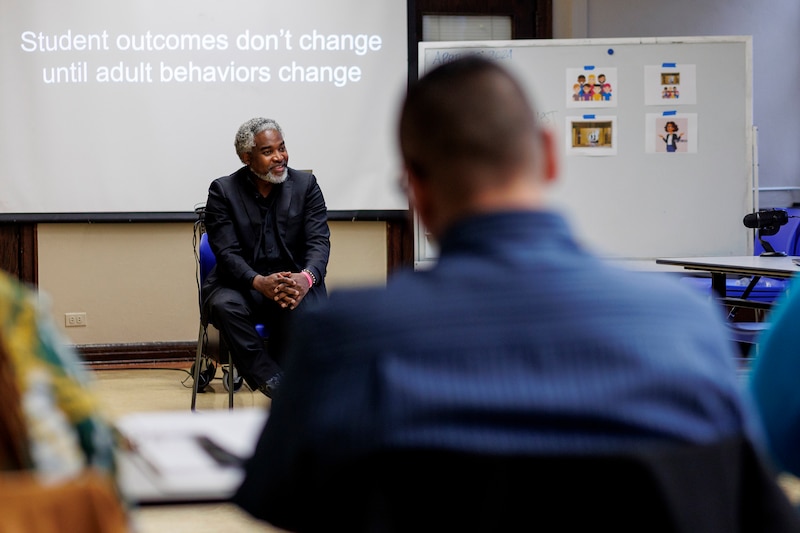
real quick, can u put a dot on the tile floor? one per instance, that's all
(168, 387)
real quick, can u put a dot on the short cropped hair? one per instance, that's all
(469, 111)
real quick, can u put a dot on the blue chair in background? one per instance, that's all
(204, 367)
(767, 290)
(761, 292)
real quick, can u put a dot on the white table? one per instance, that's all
(782, 267)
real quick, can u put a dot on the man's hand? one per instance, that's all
(286, 288)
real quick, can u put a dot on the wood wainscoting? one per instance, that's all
(151, 352)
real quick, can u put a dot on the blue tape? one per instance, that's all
(588, 116)
(668, 65)
(588, 67)
(669, 113)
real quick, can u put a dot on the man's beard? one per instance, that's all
(276, 180)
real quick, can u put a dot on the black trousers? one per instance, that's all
(235, 314)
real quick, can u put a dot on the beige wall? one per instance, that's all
(136, 282)
(570, 19)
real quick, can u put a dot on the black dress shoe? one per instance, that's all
(269, 388)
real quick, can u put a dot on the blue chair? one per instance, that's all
(766, 289)
(204, 369)
(761, 290)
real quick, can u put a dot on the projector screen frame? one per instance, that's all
(390, 210)
(366, 215)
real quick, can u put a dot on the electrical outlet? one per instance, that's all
(72, 320)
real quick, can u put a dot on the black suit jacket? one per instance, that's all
(234, 225)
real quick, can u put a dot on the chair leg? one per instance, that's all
(231, 386)
(230, 379)
(197, 360)
(225, 351)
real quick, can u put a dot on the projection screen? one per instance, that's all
(131, 107)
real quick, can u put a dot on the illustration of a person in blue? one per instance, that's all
(605, 91)
(672, 138)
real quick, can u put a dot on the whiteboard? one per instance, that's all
(623, 193)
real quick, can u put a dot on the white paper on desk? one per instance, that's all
(169, 463)
(175, 455)
(237, 431)
(139, 482)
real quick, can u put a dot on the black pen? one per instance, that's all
(222, 456)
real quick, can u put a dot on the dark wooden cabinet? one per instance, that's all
(18, 251)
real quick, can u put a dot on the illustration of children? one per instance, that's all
(588, 92)
(582, 84)
(673, 137)
(601, 80)
(605, 91)
(591, 89)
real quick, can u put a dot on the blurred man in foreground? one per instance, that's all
(517, 343)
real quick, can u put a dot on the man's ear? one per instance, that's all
(549, 155)
(245, 158)
(414, 187)
(419, 198)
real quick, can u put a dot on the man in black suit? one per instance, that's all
(267, 225)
